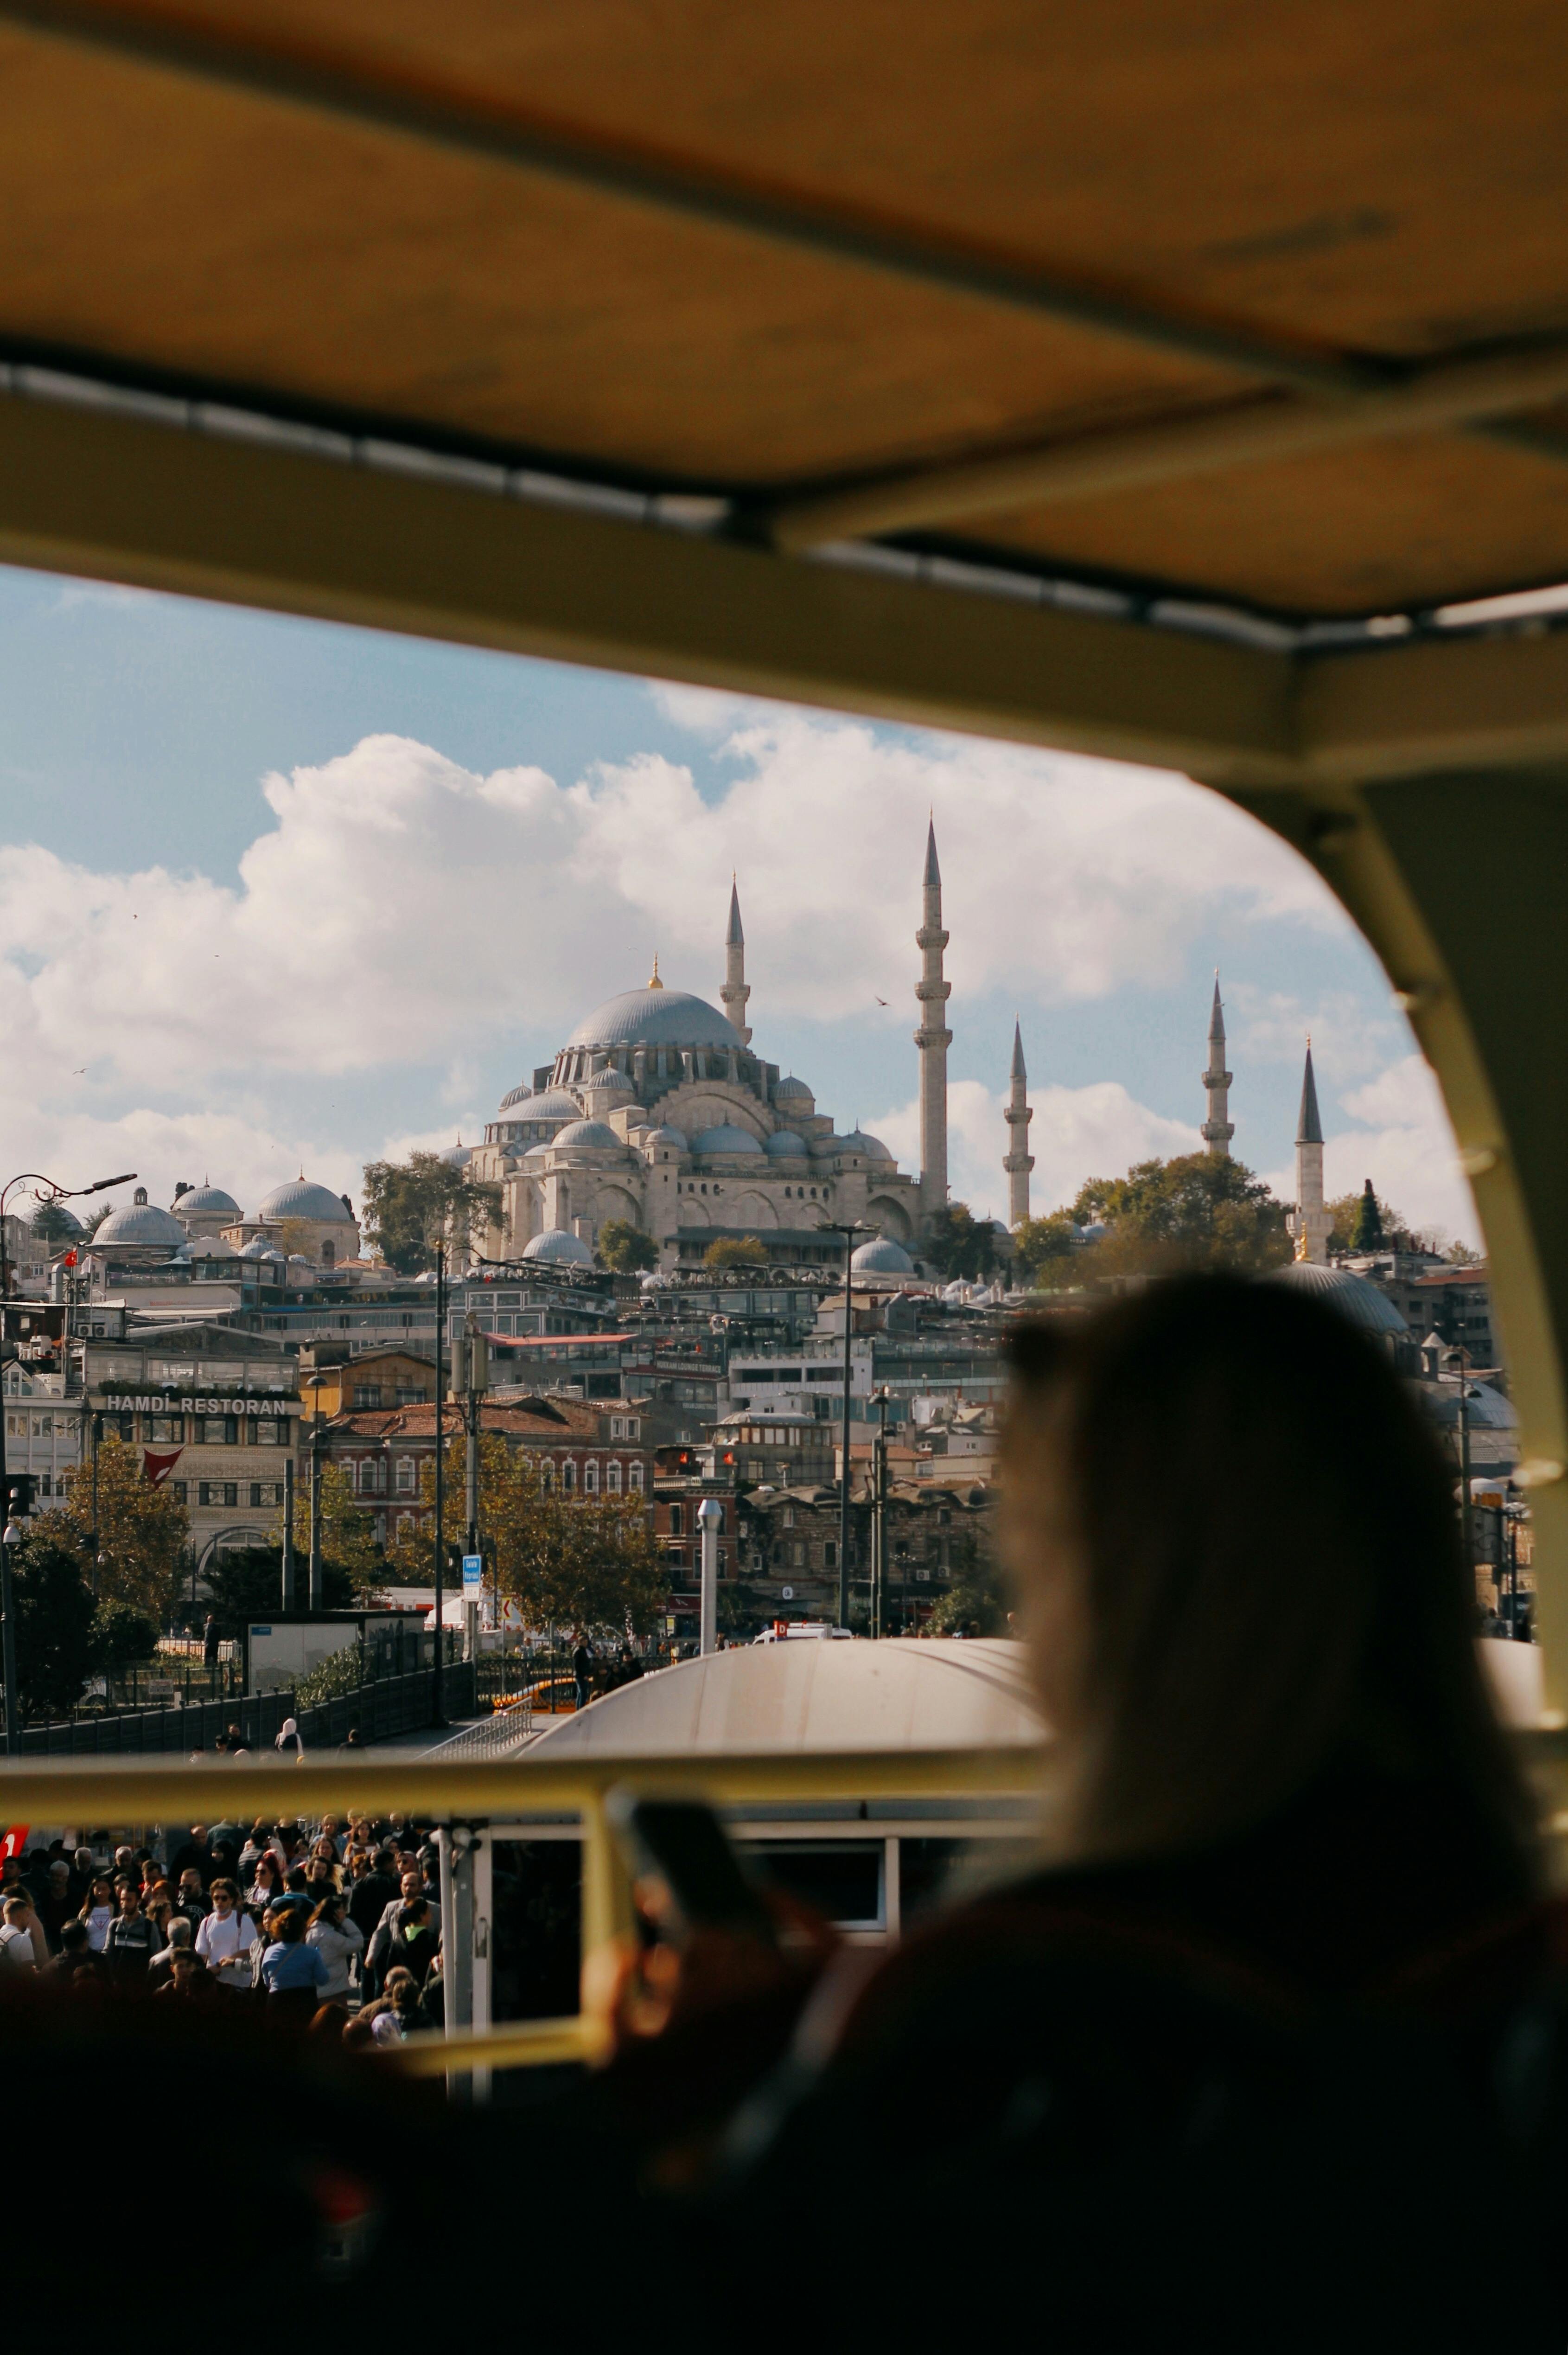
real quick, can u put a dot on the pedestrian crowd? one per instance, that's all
(333, 1925)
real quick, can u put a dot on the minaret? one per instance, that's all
(933, 1038)
(1309, 1223)
(1020, 1161)
(1218, 1129)
(736, 992)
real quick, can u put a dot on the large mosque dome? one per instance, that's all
(550, 1103)
(598, 1134)
(209, 1199)
(726, 1138)
(882, 1256)
(654, 1018)
(301, 1198)
(1361, 1302)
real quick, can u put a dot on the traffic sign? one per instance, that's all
(474, 1570)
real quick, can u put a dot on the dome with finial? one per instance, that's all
(654, 1017)
(458, 1156)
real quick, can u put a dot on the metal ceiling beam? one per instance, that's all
(1456, 394)
(116, 499)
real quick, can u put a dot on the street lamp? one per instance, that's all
(12, 1537)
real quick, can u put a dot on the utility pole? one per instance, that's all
(879, 1518)
(314, 1597)
(710, 1513)
(288, 1605)
(471, 1371)
(1462, 1355)
(849, 1232)
(10, 1539)
(438, 1690)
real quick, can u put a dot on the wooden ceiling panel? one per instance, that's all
(1384, 528)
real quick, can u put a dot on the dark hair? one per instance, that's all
(410, 1916)
(224, 1887)
(73, 1934)
(329, 1910)
(1275, 1591)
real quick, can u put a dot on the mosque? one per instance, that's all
(657, 1110)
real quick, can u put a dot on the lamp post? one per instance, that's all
(10, 1539)
(879, 1518)
(12, 1536)
(848, 1229)
(438, 1693)
(710, 1515)
(315, 1383)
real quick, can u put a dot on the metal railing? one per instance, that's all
(468, 1790)
(472, 1790)
(493, 1736)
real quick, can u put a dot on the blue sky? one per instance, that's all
(277, 892)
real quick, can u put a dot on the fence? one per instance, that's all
(380, 1709)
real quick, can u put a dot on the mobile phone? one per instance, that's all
(686, 1845)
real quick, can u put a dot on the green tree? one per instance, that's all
(565, 1560)
(249, 1584)
(53, 1225)
(122, 1633)
(977, 1599)
(1201, 1210)
(735, 1251)
(142, 1530)
(55, 1649)
(1349, 1214)
(960, 1244)
(1046, 1248)
(625, 1248)
(410, 1206)
(348, 1533)
(1367, 1234)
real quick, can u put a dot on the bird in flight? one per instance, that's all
(881, 1001)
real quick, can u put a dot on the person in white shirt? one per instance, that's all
(23, 1947)
(339, 1940)
(223, 1939)
(99, 1911)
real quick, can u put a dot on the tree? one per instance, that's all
(55, 1648)
(53, 1225)
(142, 1530)
(735, 1251)
(1201, 1210)
(411, 1206)
(122, 1633)
(295, 1238)
(1045, 1248)
(976, 1600)
(565, 1560)
(1368, 1233)
(249, 1584)
(348, 1533)
(960, 1244)
(625, 1248)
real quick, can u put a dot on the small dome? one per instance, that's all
(785, 1146)
(299, 1265)
(550, 1103)
(559, 1248)
(301, 1199)
(206, 1199)
(458, 1156)
(212, 1247)
(608, 1082)
(655, 1018)
(857, 1141)
(596, 1133)
(674, 1139)
(793, 1091)
(726, 1138)
(883, 1256)
(144, 1224)
(259, 1248)
(656, 1281)
(1352, 1295)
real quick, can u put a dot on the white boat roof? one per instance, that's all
(933, 1693)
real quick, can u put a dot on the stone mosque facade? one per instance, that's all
(657, 1111)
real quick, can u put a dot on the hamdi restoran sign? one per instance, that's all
(159, 1403)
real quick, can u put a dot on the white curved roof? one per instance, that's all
(932, 1694)
(1338, 1287)
(550, 1103)
(141, 1223)
(596, 1133)
(558, 1243)
(660, 1018)
(883, 1256)
(725, 1138)
(302, 1198)
(206, 1197)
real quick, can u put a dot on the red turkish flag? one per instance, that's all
(16, 1840)
(157, 1463)
(69, 1260)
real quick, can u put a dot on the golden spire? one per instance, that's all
(654, 980)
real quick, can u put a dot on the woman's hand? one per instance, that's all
(633, 1992)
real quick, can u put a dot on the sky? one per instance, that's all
(278, 895)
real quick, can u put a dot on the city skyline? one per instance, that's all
(351, 948)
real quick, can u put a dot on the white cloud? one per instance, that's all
(401, 919)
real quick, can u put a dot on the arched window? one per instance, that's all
(590, 1478)
(612, 1479)
(636, 1479)
(407, 1476)
(568, 1476)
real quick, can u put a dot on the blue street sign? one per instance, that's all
(474, 1570)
